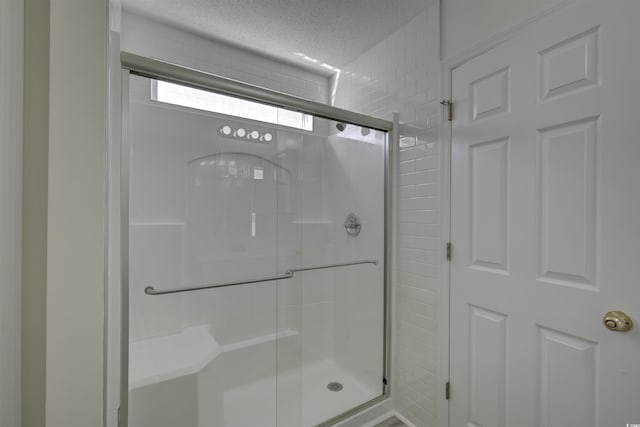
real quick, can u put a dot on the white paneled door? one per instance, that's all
(545, 224)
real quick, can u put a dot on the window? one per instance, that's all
(185, 96)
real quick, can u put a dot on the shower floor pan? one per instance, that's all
(304, 399)
(235, 385)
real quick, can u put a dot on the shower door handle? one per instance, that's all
(150, 290)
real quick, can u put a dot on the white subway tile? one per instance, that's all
(406, 192)
(428, 189)
(425, 163)
(401, 74)
(429, 243)
(407, 166)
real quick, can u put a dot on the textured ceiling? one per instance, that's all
(333, 32)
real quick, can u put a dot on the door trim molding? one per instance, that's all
(447, 67)
(481, 47)
(11, 122)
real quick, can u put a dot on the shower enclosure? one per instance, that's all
(256, 254)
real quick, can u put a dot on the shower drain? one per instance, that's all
(334, 386)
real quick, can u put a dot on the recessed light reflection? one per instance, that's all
(253, 135)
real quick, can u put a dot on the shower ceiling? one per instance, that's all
(333, 32)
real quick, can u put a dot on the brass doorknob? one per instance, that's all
(617, 321)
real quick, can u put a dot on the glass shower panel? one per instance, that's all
(218, 199)
(203, 210)
(340, 172)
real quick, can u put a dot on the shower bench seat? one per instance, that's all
(158, 359)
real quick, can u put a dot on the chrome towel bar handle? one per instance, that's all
(150, 290)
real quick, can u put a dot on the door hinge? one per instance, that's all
(449, 251)
(447, 391)
(118, 416)
(449, 106)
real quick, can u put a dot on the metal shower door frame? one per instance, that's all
(161, 70)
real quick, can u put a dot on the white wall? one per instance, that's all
(11, 55)
(466, 23)
(150, 38)
(402, 74)
(76, 213)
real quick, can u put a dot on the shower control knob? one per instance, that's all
(617, 321)
(352, 225)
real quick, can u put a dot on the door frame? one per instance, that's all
(448, 66)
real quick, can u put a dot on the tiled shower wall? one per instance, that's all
(401, 74)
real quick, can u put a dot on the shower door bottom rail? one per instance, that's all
(150, 290)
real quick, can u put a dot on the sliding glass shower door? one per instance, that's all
(256, 262)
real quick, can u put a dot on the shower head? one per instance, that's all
(341, 126)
